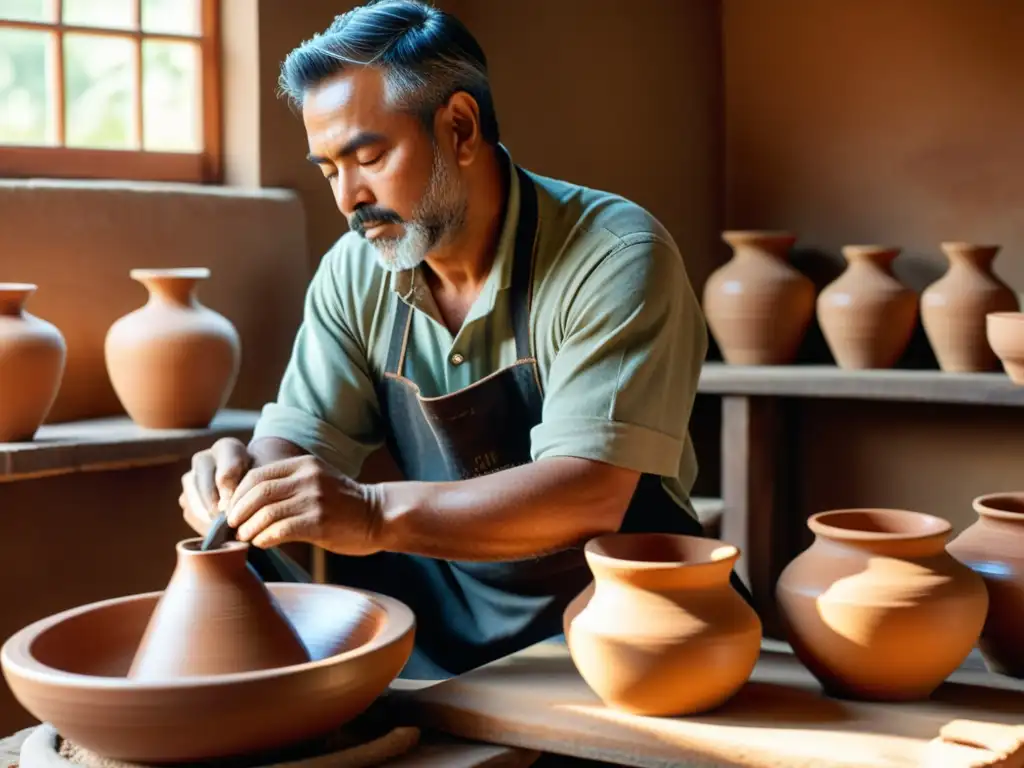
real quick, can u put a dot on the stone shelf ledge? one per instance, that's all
(828, 381)
(113, 443)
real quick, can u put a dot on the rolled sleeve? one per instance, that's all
(622, 384)
(327, 404)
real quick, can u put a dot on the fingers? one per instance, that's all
(196, 514)
(203, 471)
(299, 528)
(264, 494)
(267, 516)
(273, 471)
(232, 461)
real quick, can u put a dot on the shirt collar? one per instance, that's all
(500, 277)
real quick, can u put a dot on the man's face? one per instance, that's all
(390, 179)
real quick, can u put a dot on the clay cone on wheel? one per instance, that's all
(215, 617)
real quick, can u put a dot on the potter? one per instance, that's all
(527, 349)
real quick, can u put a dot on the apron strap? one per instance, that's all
(521, 288)
(400, 326)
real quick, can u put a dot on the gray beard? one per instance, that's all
(439, 214)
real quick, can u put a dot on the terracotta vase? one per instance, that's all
(993, 547)
(173, 362)
(757, 306)
(1005, 333)
(876, 608)
(867, 315)
(661, 631)
(32, 357)
(215, 617)
(954, 307)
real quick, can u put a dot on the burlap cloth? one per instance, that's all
(45, 748)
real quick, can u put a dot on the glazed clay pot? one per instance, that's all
(32, 357)
(867, 315)
(1005, 333)
(993, 547)
(954, 307)
(876, 608)
(758, 307)
(215, 617)
(661, 631)
(172, 362)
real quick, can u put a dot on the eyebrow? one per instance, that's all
(350, 147)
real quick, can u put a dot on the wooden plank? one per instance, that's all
(113, 443)
(537, 700)
(825, 381)
(751, 464)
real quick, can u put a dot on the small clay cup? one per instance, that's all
(1005, 334)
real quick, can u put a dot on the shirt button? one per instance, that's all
(457, 359)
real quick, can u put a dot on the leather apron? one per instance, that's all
(471, 613)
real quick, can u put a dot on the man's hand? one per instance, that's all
(304, 499)
(212, 480)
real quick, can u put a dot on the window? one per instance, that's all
(123, 89)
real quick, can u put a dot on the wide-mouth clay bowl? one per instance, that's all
(1005, 334)
(70, 670)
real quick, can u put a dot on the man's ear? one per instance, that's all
(460, 124)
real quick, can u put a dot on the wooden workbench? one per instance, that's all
(780, 719)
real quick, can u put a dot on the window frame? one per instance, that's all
(204, 167)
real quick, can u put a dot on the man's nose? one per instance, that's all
(351, 193)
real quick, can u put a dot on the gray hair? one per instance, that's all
(426, 55)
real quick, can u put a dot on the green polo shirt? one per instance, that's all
(617, 332)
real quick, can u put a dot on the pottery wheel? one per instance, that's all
(45, 748)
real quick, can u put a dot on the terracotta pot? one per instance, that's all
(216, 617)
(70, 670)
(661, 631)
(867, 315)
(173, 362)
(876, 608)
(993, 547)
(954, 307)
(32, 357)
(1005, 332)
(758, 307)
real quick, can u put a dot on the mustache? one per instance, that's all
(371, 216)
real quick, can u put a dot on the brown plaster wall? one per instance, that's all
(895, 122)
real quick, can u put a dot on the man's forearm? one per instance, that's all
(516, 513)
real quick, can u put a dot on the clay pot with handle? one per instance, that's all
(993, 547)
(867, 315)
(32, 358)
(661, 631)
(758, 307)
(953, 308)
(876, 609)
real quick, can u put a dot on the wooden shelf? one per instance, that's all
(113, 443)
(826, 381)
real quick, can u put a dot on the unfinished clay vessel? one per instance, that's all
(867, 315)
(661, 631)
(173, 362)
(71, 670)
(216, 617)
(32, 357)
(993, 547)
(758, 307)
(1005, 333)
(876, 608)
(954, 307)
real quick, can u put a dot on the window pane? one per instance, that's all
(98, 85)
(26, 106)
(171, 17)
(171, 96)
(115, 14)
(26, 10)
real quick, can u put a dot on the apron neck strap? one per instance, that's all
(520, 287)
